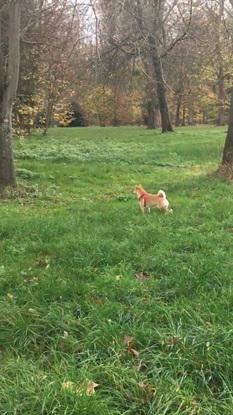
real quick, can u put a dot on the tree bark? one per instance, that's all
(156, 63)
(178, 108)
(161, 90)
(184, 116)
(153, 113)
(227, 159)
(48, 116)
(220, 78)
(8, 89)
(221, 98)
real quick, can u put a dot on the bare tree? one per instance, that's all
(150, 17)
(10, 15)
(147, 31)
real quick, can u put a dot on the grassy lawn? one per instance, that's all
(92, 291)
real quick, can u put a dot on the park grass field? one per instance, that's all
(92, 291)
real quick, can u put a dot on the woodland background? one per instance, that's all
(91, 63)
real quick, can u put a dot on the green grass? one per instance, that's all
(72, 245)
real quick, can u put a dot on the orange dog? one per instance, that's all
(147, 200)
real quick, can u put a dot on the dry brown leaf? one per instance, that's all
(142, 276)
(128, 340)
(70, 386)
(87, 388)
(98, 301)
(33, 280)
(146, 386)
(173, 340)
(134, 352)
(148, 391)
(141, 366)
(91, 386)
(43, 262)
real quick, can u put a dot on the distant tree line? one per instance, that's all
(159, 63)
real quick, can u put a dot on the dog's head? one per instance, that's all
(138, 189)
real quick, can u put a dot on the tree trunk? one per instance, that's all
(151, 106)
(115, 121)
(219, 54)
(183, 116)
(8, 92)
(7, 169)
(153, 114)
(161, 91)
(227, 159)
(221, 98)
(178, 108)
(48, 116)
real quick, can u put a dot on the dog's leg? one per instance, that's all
(142, 207)
(167, 210)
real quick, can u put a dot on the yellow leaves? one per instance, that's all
(109, 105)
(91, 386)
(69, 386)
(99, 104)
(87, 388)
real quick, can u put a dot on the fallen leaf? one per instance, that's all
(98, 301)
(91, 386)
(141, 366)
(142, 276)
(10, 296)
(33, 280)
(134, 352)
(69, 386)
(33, 311)
(128, 340)
(148, 391)
(43, 262)
(87, 388)
(174, 340)
(146, 386)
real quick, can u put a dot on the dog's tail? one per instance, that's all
(161, 193)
